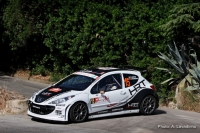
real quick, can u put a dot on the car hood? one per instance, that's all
(51, 92)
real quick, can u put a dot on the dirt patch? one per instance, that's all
(25, 74)
(189, 102)
(6, 95)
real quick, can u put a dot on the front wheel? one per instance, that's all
(148, 105)
(78, 112)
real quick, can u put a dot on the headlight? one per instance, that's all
(34, 94)
(62, 100)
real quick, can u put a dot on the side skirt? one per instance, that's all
(114, 113)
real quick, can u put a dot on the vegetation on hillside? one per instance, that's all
(58, 37)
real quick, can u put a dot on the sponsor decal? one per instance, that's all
(36, 107)
(99, 99)
(107, 111)
(132, 105)
(111, 105)
(92, 100)
(118, 109)
(101, 112)
(46, 93)
(137, 87)
(55, 89)
(133, 77)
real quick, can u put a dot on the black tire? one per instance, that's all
(148, 105)
(78, 112)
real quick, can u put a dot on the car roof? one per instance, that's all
(102, 70)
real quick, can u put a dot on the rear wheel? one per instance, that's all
(148, 105)
(78, 112)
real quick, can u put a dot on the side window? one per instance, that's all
(108, 83)
(130, 79)
(94, 89)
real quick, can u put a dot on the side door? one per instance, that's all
(114, 93)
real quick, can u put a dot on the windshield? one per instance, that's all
(75, 82)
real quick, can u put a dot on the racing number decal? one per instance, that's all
(127, 82)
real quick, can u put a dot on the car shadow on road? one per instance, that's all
(49, 121)
(157, 112)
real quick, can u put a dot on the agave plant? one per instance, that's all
(178, 62)
(189, 72)
(194, 83)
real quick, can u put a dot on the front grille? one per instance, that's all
(41, 109)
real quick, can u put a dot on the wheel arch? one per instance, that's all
(142, 94)
(69, 108)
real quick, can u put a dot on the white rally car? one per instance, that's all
(93, 93)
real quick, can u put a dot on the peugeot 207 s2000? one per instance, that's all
(94, 93)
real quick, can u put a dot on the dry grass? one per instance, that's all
(189, 102)
(6, 95)
(26, 74)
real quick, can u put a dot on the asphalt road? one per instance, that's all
(24, 87)
(164, 120)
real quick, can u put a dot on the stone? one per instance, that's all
(16, 106)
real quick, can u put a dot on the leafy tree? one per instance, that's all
(4, 48)
(24, 21)
(88, 35)
(183, 22)
(66, 35)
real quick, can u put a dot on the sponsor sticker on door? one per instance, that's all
(99, 99)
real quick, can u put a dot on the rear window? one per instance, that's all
(130, 79)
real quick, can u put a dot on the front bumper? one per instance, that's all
(47, 112)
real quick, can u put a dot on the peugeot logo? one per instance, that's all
(39, 99)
